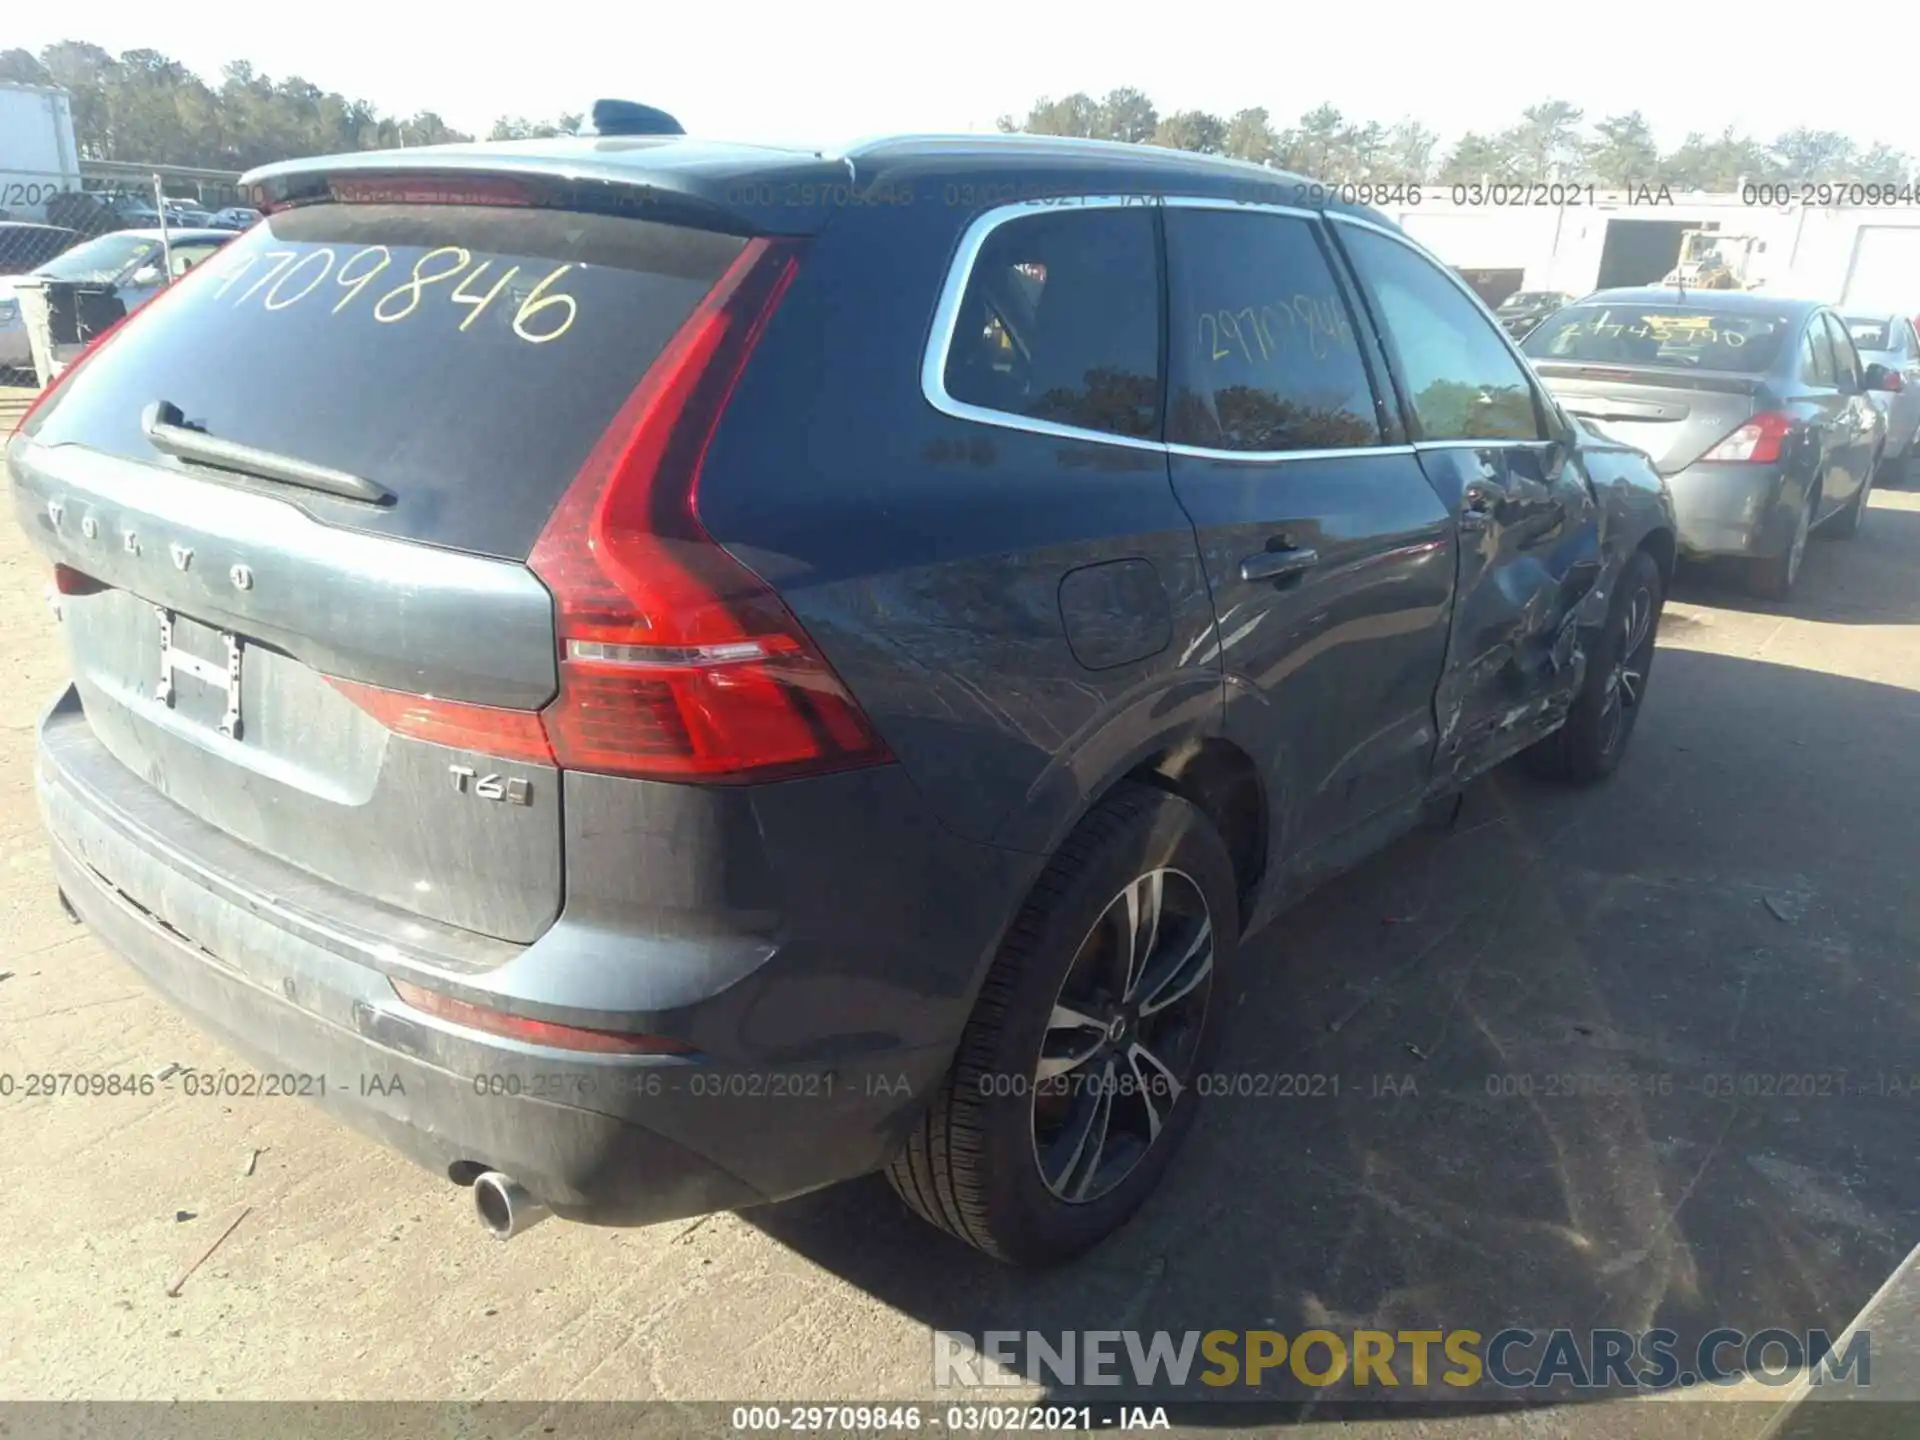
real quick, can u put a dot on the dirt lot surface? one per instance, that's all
(1736, 909)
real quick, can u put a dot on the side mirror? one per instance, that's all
(145, 275)
(1879, 377)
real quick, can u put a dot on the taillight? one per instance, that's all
(506, 734)
(69, 581)
(1758, 442)
(676, 661)
(538, 1032)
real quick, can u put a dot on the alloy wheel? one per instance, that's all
(1121, 1039)
(1627, 682)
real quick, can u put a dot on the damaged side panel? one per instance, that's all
(1532, 589)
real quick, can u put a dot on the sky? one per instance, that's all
(831, 71)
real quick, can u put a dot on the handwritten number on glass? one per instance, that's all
(291, 276)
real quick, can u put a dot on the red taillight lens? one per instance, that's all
(537, 1032)
(1757, 442)
(676, 662)
(69, 581)
(506, 734)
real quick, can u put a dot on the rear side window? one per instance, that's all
(466, 358)
(1061, 322)
(1816, 355)
(1462, 381)
(1846, 360)
(1872, 334)
(1264, 354)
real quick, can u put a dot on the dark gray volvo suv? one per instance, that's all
(655, 676)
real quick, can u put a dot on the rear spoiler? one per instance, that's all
(1722, 382)
(788, 192)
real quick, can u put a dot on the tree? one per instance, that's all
(1719, 164)
(18, 67)
(427, 128)
(520, 128)
(1546, 144)
(1191, 130)
(1479, 157)
(1626, 154)
(1078, 114)
(1313, 146)
(1814, 155)
(1250, 137)
(1883, 165)
(1409, 152)
(1127, 114)
(1358, 152)
(145, 106)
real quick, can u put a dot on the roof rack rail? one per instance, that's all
(628, 117)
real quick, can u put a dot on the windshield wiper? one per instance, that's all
(167, 431)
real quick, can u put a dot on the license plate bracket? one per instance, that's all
(225, 678)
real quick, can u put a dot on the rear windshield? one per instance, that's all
(1681, 337)
(1870, 334)
(466, 358)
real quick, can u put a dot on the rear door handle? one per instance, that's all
(1277, 565)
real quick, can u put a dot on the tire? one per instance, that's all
(1588, 747)
(1846, 524)
(1775, 577)
(973, 1166)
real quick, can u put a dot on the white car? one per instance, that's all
(1890, 340)
(128, 260)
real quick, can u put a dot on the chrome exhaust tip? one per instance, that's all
(505, 1206)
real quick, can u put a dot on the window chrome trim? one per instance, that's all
(1489, 442)
(1225, 202)
(946, 318)
(1269, 457)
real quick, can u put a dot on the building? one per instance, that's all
(1861, 255)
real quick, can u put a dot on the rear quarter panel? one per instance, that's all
(926, 555)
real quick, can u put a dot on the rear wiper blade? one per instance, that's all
(167, 431)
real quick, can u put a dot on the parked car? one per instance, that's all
(1889, 340)
(1524, 309)
(23, 246)
(234, 217)
(129, 263)
(932, 725)
(1755, 408)
(94, 212)
(188, 213)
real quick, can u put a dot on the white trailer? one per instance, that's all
(1883, 272)
(38, 157)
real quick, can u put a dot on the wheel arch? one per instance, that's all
(1664, 548)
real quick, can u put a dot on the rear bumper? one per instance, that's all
(612, 1140)
(1732, 510)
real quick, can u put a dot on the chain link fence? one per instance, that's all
(76, 255)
